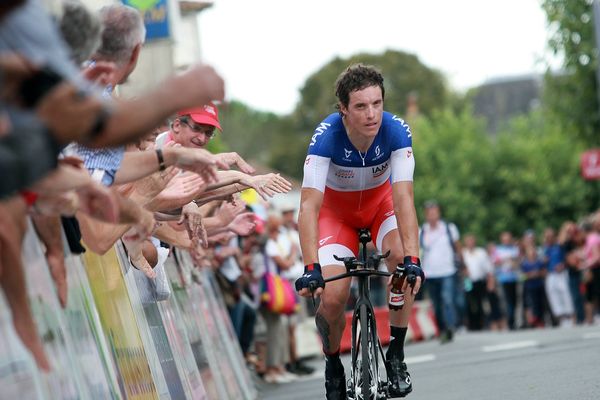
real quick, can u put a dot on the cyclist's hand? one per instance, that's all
(414, 274)
(312, 279)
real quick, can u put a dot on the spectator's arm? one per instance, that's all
(175, 238)
(198, 85)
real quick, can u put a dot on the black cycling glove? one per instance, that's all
(312, 273)
(412, 268)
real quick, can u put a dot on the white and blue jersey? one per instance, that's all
(333, 165)
(356, 187)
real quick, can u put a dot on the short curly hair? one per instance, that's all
(357, 77)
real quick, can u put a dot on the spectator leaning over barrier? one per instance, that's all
(193, 128)
(557, 280)
(96, 124)
(438, 240)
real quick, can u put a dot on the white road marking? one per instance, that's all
(592, 335)
(510, 346)
(419, 359)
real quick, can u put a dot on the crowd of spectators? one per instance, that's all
(513, 284)
(78, 158)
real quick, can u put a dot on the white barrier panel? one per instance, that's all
(201, 330)
(158, 351)
(19, 376)
(108, 344)
(228, 336)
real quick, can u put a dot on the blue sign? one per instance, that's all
(156, 17)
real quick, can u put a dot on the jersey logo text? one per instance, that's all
(379, 170)
(319, 131)
(404, 125)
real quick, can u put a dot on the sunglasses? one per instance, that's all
(208, 131)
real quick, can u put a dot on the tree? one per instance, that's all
(526, 177)
(404, 74)
(250, 132)
(571, 96)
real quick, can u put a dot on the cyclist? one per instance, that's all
(358, 174)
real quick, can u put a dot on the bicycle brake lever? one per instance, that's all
(412, 279)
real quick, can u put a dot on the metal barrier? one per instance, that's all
(108, 344)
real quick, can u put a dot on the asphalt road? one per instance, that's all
(545, 364)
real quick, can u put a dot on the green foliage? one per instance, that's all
(572, 96)
(526, 177)
(403, 74)
(250, 132)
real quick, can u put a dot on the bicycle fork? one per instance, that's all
(378, 387)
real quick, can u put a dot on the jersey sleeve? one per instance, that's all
(402, 157)
(316, 164)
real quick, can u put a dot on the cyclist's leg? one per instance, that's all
(335, 238)
(330, 319)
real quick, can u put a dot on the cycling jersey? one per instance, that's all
(356, 186)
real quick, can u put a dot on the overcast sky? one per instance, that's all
(265, 49)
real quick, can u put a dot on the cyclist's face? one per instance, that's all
(364, 111)
(191, 134)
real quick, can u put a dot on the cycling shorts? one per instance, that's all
(339, 224)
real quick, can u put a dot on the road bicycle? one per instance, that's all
(366, 381)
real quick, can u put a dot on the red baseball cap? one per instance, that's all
(207, 115)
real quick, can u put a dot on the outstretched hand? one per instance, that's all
(199, 161)
(267, 185)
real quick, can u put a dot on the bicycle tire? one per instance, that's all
(365, 387)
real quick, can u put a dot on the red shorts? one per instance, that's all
(343, 214)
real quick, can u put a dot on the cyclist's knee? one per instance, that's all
(396, 257)
(333, 303)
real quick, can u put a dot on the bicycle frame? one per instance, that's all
(363, 313)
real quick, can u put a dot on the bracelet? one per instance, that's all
(161, 160)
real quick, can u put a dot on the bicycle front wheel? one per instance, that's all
(368, 348)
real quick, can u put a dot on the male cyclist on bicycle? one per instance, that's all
(358, 174)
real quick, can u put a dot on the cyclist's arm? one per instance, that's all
(308, 216)
(406, 216)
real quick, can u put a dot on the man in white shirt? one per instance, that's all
(440, 243)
